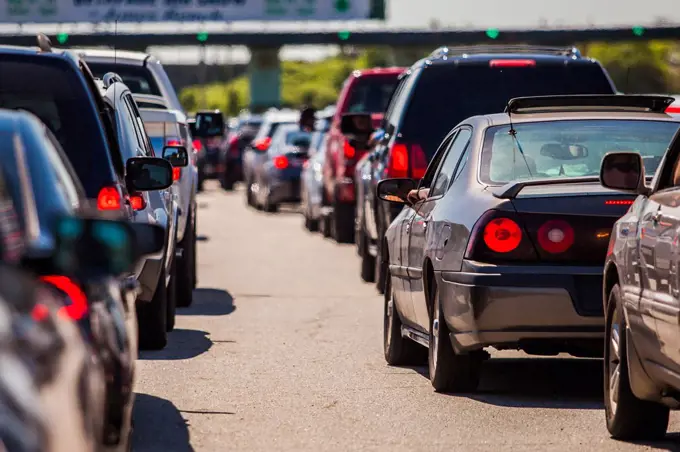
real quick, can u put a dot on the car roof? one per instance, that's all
(378, 71)
(500, 119)
(109, 55)
(63, 54)
(282, 116)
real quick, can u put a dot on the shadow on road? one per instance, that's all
(671, 443)
(182, 344)
(158, 426)
(210, 302)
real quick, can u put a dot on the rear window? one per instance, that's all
(298, 138)
(143, 104)
(210, 124)
(447, 94)
(137, 78)
(371, 94)
(160, 132)
(54, 92)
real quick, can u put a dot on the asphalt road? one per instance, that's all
(282, 350)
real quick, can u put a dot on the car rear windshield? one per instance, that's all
(54, 92)
(160, 133)
(447, 94)
(210, 124)
(137, 78)
(371, 94)
(569, 148)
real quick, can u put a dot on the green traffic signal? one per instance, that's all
(341, 6)
(638, 30)
(492, 33)
(62, 38)
(202, 36)
(343, 35)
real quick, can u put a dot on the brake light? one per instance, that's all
(512, 63)
(673, 109)
(263, 144)
(349, 150)
(137, 201)
(398, 163)
(109, 199)
(174, 143)
(419, 162)
(78, 307)
(618, 202)
(176, 173)
(281, 162)
(502, 235)
(197, 145)
(556, 236)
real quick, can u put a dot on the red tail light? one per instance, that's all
(499, 236)
(281, 162)
(176, 173)
(174, 143)
(673, 109)
(556, 236)
(502, 235)
(197, 145)
(349, 150)
(404, 157)
(263, 144)
(109, 198)
(137, 201)
(512, 63)
(78, 307)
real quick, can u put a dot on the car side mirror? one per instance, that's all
(148, 173)
(356, 124)
(176, 155)
(396, 190)
(93, 245)
(623, 171)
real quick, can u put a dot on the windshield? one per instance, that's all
(138, 79)
(302, 139)
(572, 148)
(447, 94)
(371, 94)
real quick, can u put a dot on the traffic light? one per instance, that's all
(638, 30)
(342, 6)
(62, 38)
(202, 36)
(492, 33)
(343, 35)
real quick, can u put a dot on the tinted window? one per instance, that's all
(371, 94)
(137, 78)
(447, 94)
(569, 148)
(210, 124)
(53, 91)
(144, 104)
(161, 132)
(298, 138)
(444, 177)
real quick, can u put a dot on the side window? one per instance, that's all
(142, 139)
(65, 174)
(448, 166)
(426, 181)
(63, 180)
(397, 110)
(462, 163)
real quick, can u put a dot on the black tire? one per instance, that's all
(399, 351)
(227, 182)
(367, 261)
(629, 418)
(313, 225)
(199, 183)
(270, 207)
(249, 194)
(194, 260)
(186, 265)
(380, 269)
(152, 318)
(449, 371)
(343, 223)
(172, 297)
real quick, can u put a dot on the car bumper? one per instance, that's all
(491, 305)
(285, 191)
(148, 278)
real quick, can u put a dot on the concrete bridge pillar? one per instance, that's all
(264, 74)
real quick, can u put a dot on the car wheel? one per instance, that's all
(186, 265)
(367, 261)
(270, 206)
(627, 416)
(399, 351)
(152, 318)
(199, 183)
(380, 269)
(449, 371)
(172, 297)
(343, 223)
(325, 226)
(227, 182)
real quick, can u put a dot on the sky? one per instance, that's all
(463, 14)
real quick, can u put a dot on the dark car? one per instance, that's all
(641, 292)
(437, 93)
(503, 243)
(44, 188)
(232, 159)
(210, 140)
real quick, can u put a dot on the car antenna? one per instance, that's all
(513, 133)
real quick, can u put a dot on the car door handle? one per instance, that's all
(655, 217)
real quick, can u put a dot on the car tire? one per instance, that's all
(628, 418)
(399, 351)
(227, 182)
(152, 318)
(249, 193)
(325, 226)
(269, 206)
(186, 265)
(367, 261)
(449, 371)
(172, 298)
(380, 269)
(343, 223)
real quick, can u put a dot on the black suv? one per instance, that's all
(438, 92)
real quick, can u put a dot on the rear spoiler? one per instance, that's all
(512, 189)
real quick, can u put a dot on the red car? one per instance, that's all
(364, 91)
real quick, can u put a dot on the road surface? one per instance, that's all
(282, 350)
